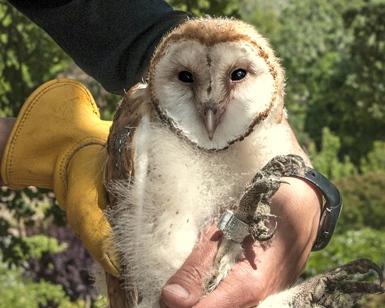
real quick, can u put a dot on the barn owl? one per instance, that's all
(185, 144)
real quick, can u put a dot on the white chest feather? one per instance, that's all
(177, 190)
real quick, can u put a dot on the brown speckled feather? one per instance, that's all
(127, 118)
(120, 165)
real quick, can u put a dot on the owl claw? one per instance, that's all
(330, 289)
(329, 286)
(257, 235)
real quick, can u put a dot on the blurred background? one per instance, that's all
(333, 52)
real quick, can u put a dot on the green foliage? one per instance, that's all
(368, 53)
(102, 302)
(374, 301)
(326, 160)
(19, 292)
(22, 208)
(40, 244)
(17, 249)
(309, 32)
(349, 98)
(24, 248)
(333, 53)
(12, 247)
(28, 57)
(364, 202)
(375, 160)
(208, 7)
(347, 246)
(264, 15)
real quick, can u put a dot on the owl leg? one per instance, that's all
(228, 254)
(253, 214)
(332, 289)
(335, 283)
(254, 205)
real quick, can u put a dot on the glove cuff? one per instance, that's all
(59, 118)
(58, 141)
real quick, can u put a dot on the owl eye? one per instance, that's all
(238, 74)
(185, 77)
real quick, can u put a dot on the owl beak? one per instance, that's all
(211, 121)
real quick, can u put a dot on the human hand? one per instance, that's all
(266, 267)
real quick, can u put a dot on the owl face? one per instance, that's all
(213, 80)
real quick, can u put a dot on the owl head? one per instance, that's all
(214, 79)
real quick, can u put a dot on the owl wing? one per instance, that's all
(121, 166)
(134, 106)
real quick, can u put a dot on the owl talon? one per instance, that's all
(254, 204)
(330, 286)
(330, 289)
(257, 235)
(284, 165)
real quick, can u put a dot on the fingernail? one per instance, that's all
(177, 290)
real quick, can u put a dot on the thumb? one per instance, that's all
(185, 287)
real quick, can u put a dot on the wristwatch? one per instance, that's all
(331, 209)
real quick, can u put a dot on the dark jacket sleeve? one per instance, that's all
(111, 40)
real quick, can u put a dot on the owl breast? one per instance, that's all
(178, 189)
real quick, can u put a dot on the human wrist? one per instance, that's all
(297, 206)
(330, 210)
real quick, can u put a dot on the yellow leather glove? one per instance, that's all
(58, 141)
